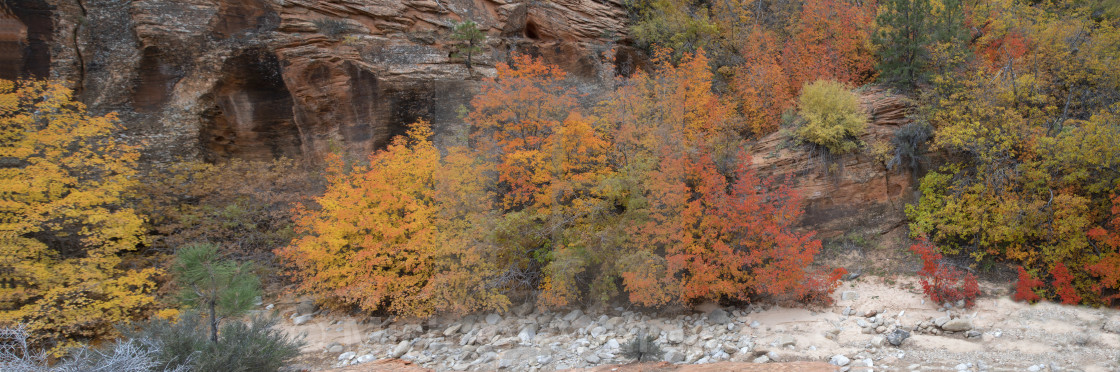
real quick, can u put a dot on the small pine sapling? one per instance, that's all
(223, 288)
(468, 41)
(642, 348)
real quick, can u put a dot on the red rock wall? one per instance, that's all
(848, 190)
(256, 79)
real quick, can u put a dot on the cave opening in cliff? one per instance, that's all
(156, 79)
(532, 31)
(251, 117)
(25, 35)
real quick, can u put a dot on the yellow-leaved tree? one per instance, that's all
(66, 230)
(397, 234)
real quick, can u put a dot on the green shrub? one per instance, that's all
(241, 346)
(833, 117)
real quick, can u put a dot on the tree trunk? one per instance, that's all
(213, 323)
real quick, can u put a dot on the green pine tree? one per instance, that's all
(909, 29)
(223, 288)
(948, 33)
(468, 39)
(902, 39)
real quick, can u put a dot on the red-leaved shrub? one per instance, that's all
(1024, 289)
(821, 284)
(1063, 284)
(943, 283)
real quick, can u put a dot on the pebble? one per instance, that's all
(400, 349)
(1112, 326)
(302, 319)
(897, 337)
(452, 329)
(718, 316)
(673, 356)
(493, 319)
(957, 325)
(306, 307)
(526, 335)
(839, 360)
(346, 356)
(675, 336)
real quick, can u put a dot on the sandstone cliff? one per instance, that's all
(258, 78)
(849, 190)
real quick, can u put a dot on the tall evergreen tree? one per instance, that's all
(901, 39)
(917, 36)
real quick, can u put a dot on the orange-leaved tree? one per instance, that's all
(830, 41)
(376, 239)
(761, 84)
(513, 117)
(66, 228)
(549, 158)
(721, 239)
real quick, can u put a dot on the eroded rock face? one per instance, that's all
(25, 35)
(848, 190)
(257, 79)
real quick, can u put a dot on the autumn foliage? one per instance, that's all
(646, 196)
(1025, 287)
(942, 282)
(376, 240)
(1029, 123)
(641, 189)
(67, 233)
(1107, 269)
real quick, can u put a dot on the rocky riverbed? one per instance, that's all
(875, 324)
